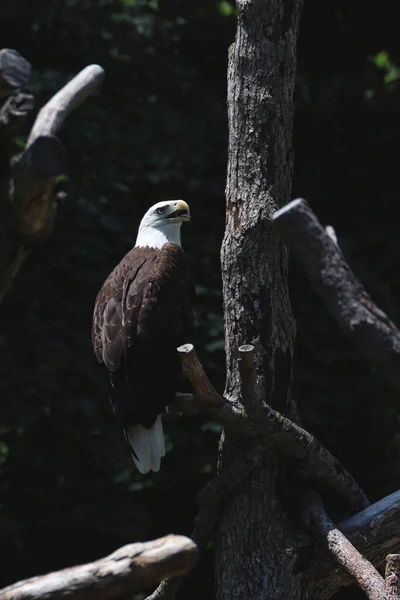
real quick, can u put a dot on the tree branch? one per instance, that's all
(375, 532)
(129, 569)
(27, 207)
(313, 460)
(206, 397)
(368, 327)
(342, 549)
(52, 116)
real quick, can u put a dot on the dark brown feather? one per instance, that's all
(142, 313)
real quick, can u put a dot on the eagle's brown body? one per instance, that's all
(142, 313)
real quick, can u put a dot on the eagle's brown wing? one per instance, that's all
(118, 304)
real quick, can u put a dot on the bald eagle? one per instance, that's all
(142, 313)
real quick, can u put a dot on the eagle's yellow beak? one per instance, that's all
(180, 211)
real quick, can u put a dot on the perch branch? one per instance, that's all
(52, 116)
(375, 532)
(342, 549)
(193, 369)
(129, 569)
(206, 397)
(392, 577)
(313, 460)
(368, 327)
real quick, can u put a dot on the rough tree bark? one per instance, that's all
(256, 545)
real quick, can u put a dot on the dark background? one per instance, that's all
(158, 130)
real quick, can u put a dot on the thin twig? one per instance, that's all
(52, 116)
(129, 569)
(367, 326)
(342, 549)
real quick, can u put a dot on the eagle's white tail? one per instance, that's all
(148, 444)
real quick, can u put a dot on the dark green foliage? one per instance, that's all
(157, 131)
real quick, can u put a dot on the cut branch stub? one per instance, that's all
(14, 71)
(368, 327)
(193, 369)
(248, 380)
(206, 398)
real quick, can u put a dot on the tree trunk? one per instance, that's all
(256, 545)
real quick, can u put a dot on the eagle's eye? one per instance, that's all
(160, 210)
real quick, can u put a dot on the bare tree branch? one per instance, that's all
(375, 532)
(392, 577)
(129, 569)
(313, 460)
(342, 549)
(205, 395)
(368, 327)
(52, 116)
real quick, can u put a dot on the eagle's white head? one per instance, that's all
(162, 224)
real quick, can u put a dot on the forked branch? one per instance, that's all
(206, 396)
(272, 429)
